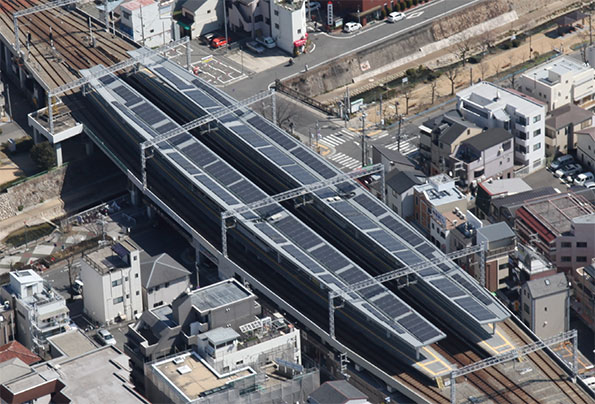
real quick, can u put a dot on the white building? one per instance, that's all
(147, 22)
(261, 342)
(490, 106)
(585, 149)
(197, 17)
(111, 276)
(41, 311)
(563, 80)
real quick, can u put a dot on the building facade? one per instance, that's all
(163, 279)
(561, 81)
(196, 17)
(147, 22)
(545, 305)
(561, 127)
(585, 151)
(499, 241)
(491, 106)
(399, 191)
(114, 273)
(583, 281)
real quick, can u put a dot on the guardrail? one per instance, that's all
(282, 88)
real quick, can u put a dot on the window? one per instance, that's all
(537, 132)
(116, 282)
(522, 135)
(478, 173)
(545, 309)
(166, 284)
(536, 118)
(566, 259)
(136, 275)
(126, 279)
(581, 244)
(276, 13)
(521, 120)
(258, 18)
(299, 31)
(536, 146)
(566, 244)
(137, 293)
(581, 259)
(267, 21)
(154, 30)
(127, 296)
(208, 11)
(118, 300)
(526, 308)
(506, 146)
(521, 149)
(135, 258)
(503, 266)
(276, 26)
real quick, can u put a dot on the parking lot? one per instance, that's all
(546, 178)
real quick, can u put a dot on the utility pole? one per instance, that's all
(470, 75)
(347, 106)
(399, 134)
(380, 112)
(225, 22)
(363, 118)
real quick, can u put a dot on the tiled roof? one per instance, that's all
(15, 349)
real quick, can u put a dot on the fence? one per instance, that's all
(282, 88)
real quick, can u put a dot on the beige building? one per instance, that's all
(583, 281)
(585, 148)
(560, 81)
(561, 127)
(545, 305)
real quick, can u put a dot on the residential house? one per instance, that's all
(162, 279)
(583, 283)
(399, 191)
(491, 106)
(561, 228)
(147, 22)
(337, 391)
(561, 126)
(391, 159)
(14, 350)
(490, 190)
(560, 81)
(484, 156)
(585, 151)
(439, 207)
(198, 17)
(41, 311)
(545, 305)
(504, 208)
(114, 272)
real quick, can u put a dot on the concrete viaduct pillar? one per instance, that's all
(58, 150)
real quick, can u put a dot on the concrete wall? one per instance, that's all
(31, 192)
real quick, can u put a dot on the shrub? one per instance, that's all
(407, 3)
(20, 208)
(474, 59)
(516, 43)
(43, 155)
(415, 2)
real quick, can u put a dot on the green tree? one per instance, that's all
(43, 155)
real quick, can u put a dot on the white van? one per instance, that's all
(77, 287)
(583, 178)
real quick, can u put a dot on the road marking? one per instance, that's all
(406, 147)
(332, 140)
(414, 15)
(346, 161)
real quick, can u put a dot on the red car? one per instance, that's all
(218, 42)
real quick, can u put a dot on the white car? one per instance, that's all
(106, 337)
(568, 170)
(267, 41)
(583, 178)
(590, 184)
(352, 27)
(254, 47)
(395, 16)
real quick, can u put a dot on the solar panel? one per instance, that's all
(471, 288)
(352, 275)
(386, 240)
(391, 306)
(276, 155)
(249, 135)
(314, 163)
(369, 204)
(212, 92)
(184, 163)
(417, 326)
(381, 316)
(166, 127)
(247, 192)
(372, 291)
(199, 154)
(297, 232)
(300, 174)
(223, 173)
(270, 232)
(128, 96)
(408, 257)
(330, 280)
(201, 99)
(133, 118)
(105, 80)
(301, 257)
(447, 287)
(216, 189)
(476, 310)
(179, 139)
(329, 258)
(281, 138)
(173, 79)
(148, 113)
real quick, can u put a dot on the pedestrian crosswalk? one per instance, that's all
(406, 147)
(345, 161)
(337, 138)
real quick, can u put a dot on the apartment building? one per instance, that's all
(491, 106)
(561, 127)
(545, 305)
(147, 22)
(499, 241)
(114, 272)
(561, 81)
(583, 281)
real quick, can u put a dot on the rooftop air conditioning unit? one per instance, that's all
(178, 360)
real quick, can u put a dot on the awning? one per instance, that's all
(185, 23)
(301, 42)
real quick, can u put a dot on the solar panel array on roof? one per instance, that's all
(270, 232)
(471, 305)
(419, 328)
(303, 258)
(369, 204)
(129, 97)
(200, 98)
(180, 84)
(447, 287)
(297, 232)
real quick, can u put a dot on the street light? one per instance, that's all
(363, 119)
(358, 18)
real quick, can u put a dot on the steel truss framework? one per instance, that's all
(515, 354)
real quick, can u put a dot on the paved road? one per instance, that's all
(333, 46)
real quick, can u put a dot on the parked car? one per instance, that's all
(218, 42)
(561, 162)
(77, 287)
(395, 16)
(352, 27)
(106, 337)
(312, 6)
(583, 178)
(267, 41)
(568, 170)
(255, 47)
(207, 38)
(590, 184)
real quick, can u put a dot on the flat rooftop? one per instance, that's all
(72, 343)
(192, 377)
(559, 66)
(557, 212)
(110, 258)
(507, 186)
(219, 294)
(493, 97)
(440, 189)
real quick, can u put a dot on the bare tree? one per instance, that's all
(497, 66)
(451, 74)
(407, 95)
(286, 114)
(483, 69)
(486, 41)
(463, 48)
(433, 86)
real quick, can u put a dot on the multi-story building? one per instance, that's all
(41, 311)
(585, 151)
(114, 272)
(528, 264)
(490, 190)
(147, 22)
(561, 228)
(196, 17)
(391, 159)
(484, 156)
(499, 241)
(561, 127)
(438, 208)
(545, 305)
(163, 279)
(7, 323)
(583, 281)
(163, 330)
(337, 391)
(399, 191)
(561, 81)
(491, 106)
